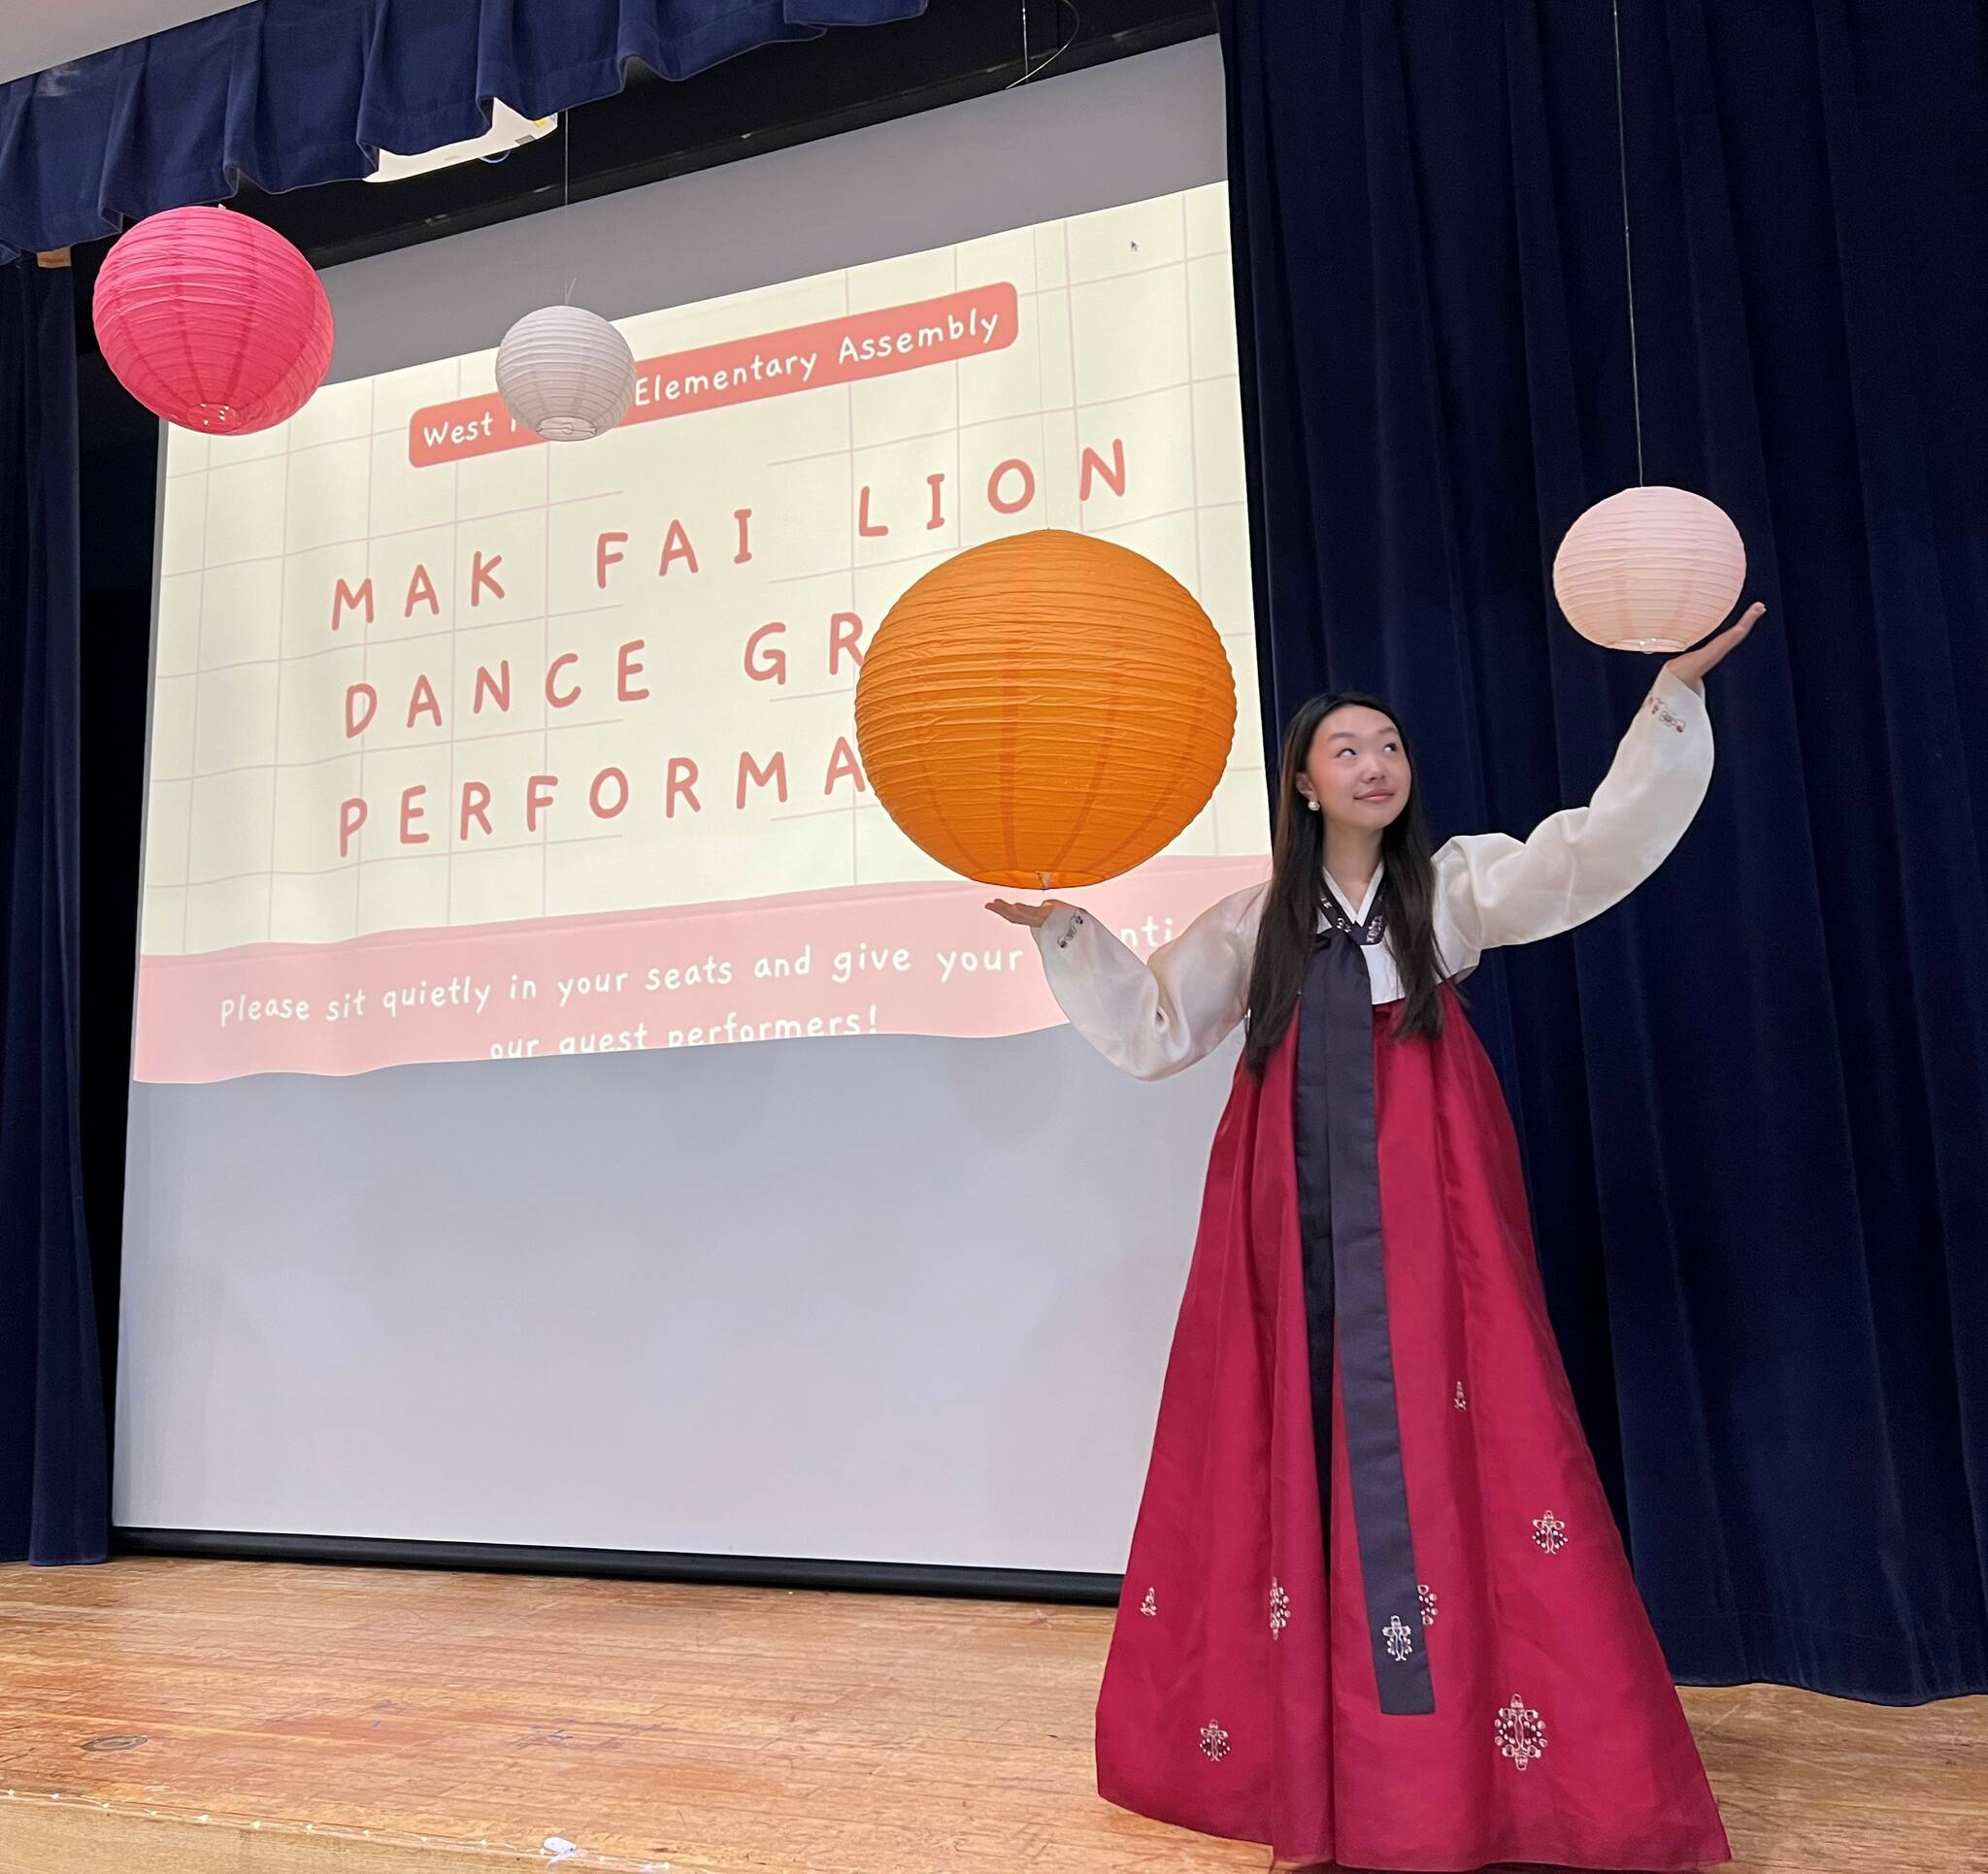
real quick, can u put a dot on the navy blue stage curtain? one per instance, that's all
(1752, 1100)
(53, 1502)
(288, 92)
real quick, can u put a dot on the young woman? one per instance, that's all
(1376, 1611)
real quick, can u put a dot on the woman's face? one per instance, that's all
(1357, 770)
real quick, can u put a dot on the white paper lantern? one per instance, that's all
(1650, 570)
(565, 373)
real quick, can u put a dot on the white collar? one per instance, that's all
(1357, 915)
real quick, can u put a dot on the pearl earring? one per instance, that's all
(1312, 804)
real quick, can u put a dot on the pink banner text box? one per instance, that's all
(743, 371)
(893, 959)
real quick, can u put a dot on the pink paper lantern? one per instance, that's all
(1650, 570)
(212, 322)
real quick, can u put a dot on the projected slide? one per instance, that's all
(467, 746)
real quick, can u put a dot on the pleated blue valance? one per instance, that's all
(283, 93)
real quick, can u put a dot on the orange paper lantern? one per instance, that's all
(1046, 712)
(1650, 569)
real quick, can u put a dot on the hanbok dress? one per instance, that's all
(1376, 1612)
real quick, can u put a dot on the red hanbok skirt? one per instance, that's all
(1239, 1697)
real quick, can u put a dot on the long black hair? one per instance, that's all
(1289, 929)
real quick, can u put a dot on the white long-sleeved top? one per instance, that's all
(1154, 1017)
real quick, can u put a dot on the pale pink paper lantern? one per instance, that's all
(213, 320)
(565, 373)
(1649, 570)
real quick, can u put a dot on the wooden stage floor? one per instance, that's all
(177, 1716)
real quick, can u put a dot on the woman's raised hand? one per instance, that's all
(1691, 666)
(1035, 916)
